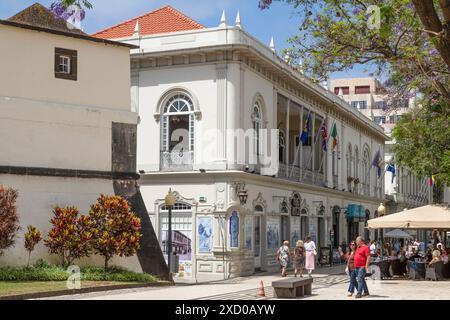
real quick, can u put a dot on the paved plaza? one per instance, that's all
(329, 284)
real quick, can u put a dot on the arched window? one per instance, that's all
(349, 161)
(366, 170)
(177, 132)
(257, 126)
(356, 163)
(178, 124)
(281, 148)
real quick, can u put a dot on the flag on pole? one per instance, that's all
(334, 135)
(377, 161)
(305, 133)
(324, 136)
(391, 168)
(432, 181)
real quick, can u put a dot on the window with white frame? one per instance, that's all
(281, 148)
(178, 124)
(64, 64)
(257, 126)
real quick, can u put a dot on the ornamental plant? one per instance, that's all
(70, 236)
(32, 238)
(9, 219)
(116, 229)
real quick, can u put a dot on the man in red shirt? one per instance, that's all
(362, 260)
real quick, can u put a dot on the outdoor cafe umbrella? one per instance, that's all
(432, 216)
(397, 233)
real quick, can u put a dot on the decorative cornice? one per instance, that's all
(68, 173)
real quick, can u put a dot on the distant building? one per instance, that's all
(368, 96)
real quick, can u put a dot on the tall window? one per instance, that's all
(257, 126)
(356, 163)
(366, 171)
(359, 104)
(178, 124)
(281, 148)
(362, 89)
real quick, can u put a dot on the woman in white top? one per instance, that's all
(310, 248)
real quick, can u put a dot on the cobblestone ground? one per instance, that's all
(329, 284)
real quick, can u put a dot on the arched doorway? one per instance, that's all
(181, 235)
(336, 219)
(366, 231)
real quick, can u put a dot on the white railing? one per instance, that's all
(176, 160)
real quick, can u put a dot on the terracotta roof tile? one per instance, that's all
(37, 15)
(165, 19)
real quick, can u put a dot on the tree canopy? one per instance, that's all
(407, 42)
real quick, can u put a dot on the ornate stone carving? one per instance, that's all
(259, 201)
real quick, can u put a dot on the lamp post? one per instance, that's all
(381, 212)
(170, 202)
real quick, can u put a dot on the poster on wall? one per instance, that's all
(313, 230)
(234, 230)
(273, 231)
(182, 247)
(204, 231)
(295, 230)
(248, 232)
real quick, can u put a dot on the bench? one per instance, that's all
(292, 287)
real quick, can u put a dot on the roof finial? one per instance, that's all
(238, 20)
(137, 29)
(272, 44)
(223, 20)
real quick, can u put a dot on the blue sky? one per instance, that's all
(279, 21)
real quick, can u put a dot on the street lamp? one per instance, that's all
(243, 195)
(381, 212)
(170, 202)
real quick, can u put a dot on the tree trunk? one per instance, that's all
(29, 256)
(430, 20)
(106, 262)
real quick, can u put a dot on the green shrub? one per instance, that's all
(42, 271)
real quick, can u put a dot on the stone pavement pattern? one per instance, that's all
(329, 284)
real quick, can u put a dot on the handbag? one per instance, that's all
(315, 252)
(347, 271)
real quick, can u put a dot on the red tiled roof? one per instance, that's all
(165, 19)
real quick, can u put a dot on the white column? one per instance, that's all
(232, 113)
(301, 143)
(343, 172)
(313, 142)
(287, 142)
(221, 111)
(329, 155)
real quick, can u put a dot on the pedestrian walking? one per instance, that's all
(310, 248)
(362, 261)
(283, 255)
(299, 258)
(349, 257)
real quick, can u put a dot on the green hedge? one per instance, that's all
(44, 272)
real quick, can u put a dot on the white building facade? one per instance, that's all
(404, 189)
(221, 117)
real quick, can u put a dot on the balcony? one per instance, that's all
(176, 160)
(292, 173)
